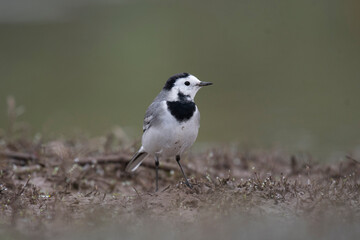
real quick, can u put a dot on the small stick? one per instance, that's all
(28, 169)
(108, 159)
(353, 159)
(137, 193)
(165, 188)
(19, 156)
(89, 193)
(18, 194)
(124, 159)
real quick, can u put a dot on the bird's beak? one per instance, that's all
(203, 84)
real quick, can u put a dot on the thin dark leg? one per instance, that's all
(157, 173)
(183, 173)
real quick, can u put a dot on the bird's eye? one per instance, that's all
(187, 83)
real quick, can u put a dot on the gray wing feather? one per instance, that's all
(152, 115)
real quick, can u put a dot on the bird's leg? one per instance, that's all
(182, 171)
(157, 173)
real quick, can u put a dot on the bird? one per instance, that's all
(171, 123)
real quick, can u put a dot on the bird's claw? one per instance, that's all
(188, 184)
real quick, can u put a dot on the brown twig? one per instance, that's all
(18, 194)
(19, 156)
(124, 159)
(165, 188)
(108, 159)
(352, 159)
(14, 203)
(137, 193)
(27, 169)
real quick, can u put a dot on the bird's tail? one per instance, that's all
(136, 160)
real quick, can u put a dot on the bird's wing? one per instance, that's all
(152, 115)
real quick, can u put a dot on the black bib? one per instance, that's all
(181, 110)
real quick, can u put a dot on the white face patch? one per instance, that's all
(187, 87)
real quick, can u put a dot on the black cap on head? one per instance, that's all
(171, 81)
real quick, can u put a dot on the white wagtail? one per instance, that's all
(171, 123)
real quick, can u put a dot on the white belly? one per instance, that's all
(171, 138)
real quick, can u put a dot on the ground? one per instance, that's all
(79, 187)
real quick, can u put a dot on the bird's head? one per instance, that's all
(183, 87)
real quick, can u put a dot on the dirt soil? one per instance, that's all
(47, 188)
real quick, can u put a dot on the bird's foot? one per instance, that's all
(188, 184)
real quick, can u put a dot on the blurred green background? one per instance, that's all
(286, 73)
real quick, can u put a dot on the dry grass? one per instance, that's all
(48, 188)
